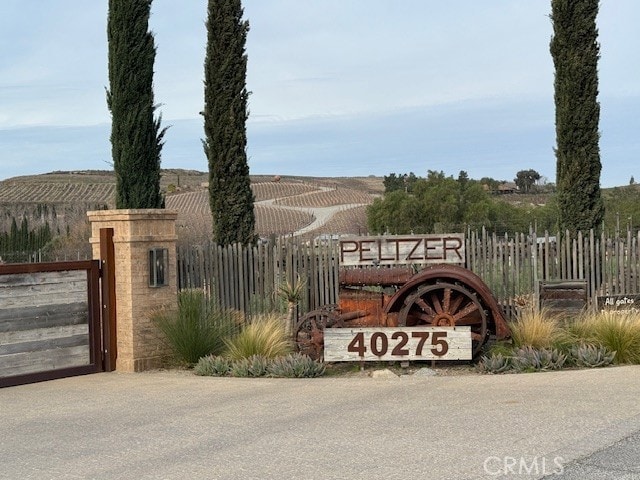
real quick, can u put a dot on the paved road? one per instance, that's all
(173, 425)
(620, 461)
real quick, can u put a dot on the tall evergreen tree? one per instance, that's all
(136, 136)
(575, 51)
(225, 116)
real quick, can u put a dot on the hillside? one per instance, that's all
(305, 206)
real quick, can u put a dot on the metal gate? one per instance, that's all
(50, 321)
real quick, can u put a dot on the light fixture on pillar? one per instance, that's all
(158, 267)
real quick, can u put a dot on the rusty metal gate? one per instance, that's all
(51, 320)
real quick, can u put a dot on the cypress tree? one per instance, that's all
(136, 136)
(225, 116)
(575, 51)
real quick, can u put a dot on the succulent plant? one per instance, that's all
(240, 367)
(494, 363)
(532, 359)
(257, 366)
(591, 356)
(295, 365)
(212, 365)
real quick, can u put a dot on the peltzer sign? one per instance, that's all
(397, 343)
(402, 249)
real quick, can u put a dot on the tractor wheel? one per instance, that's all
(446, 304)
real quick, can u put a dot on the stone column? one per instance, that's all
(135, 233)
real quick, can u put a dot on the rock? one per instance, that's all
(386, 373)
(425, 372)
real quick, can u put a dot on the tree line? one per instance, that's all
(19, 243)
(439, 203)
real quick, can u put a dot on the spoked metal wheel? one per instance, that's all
(309, 332)
(446, 304)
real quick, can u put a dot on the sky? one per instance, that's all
(338, 87)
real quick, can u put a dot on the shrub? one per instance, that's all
(264, 336)
(536, 328)
(617, 333)
(239, 368)
(212, 365)
(198, 328)
(257, 366)
(591, 356)
(494, 363)
(295, 365)
(254, 366)
(530, 359)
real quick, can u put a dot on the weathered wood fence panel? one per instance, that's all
(248, 278)
(514, 267)
(47, 320)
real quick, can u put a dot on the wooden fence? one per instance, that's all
(249, 278)
(514, 268)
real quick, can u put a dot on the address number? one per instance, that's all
(397, 343)
(379, 343)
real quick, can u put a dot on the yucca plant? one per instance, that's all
(291, 292)
(197, 328)
(264, 336)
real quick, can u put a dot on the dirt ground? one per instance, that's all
(367, 369)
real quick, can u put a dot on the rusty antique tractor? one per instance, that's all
(441, 294)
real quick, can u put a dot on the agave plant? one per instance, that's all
(494, 363)
(591, 356)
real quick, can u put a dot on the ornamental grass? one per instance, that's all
(617, 332)
(197, 328)
(266, 336)
(537, 329)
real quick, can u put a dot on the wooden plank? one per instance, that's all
(397, 344)
(42, 334)
(46, 360)
(30, 279)
(53, 343)
(43, 316)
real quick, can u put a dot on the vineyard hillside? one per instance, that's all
(284, 205)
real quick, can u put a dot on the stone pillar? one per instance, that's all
(135, 233)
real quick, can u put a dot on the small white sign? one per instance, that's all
(402, 249)
(397, 343)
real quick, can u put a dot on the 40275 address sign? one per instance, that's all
(397, 344)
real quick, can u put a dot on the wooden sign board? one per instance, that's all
(402, 250)
(621, 304)
(397, 344)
